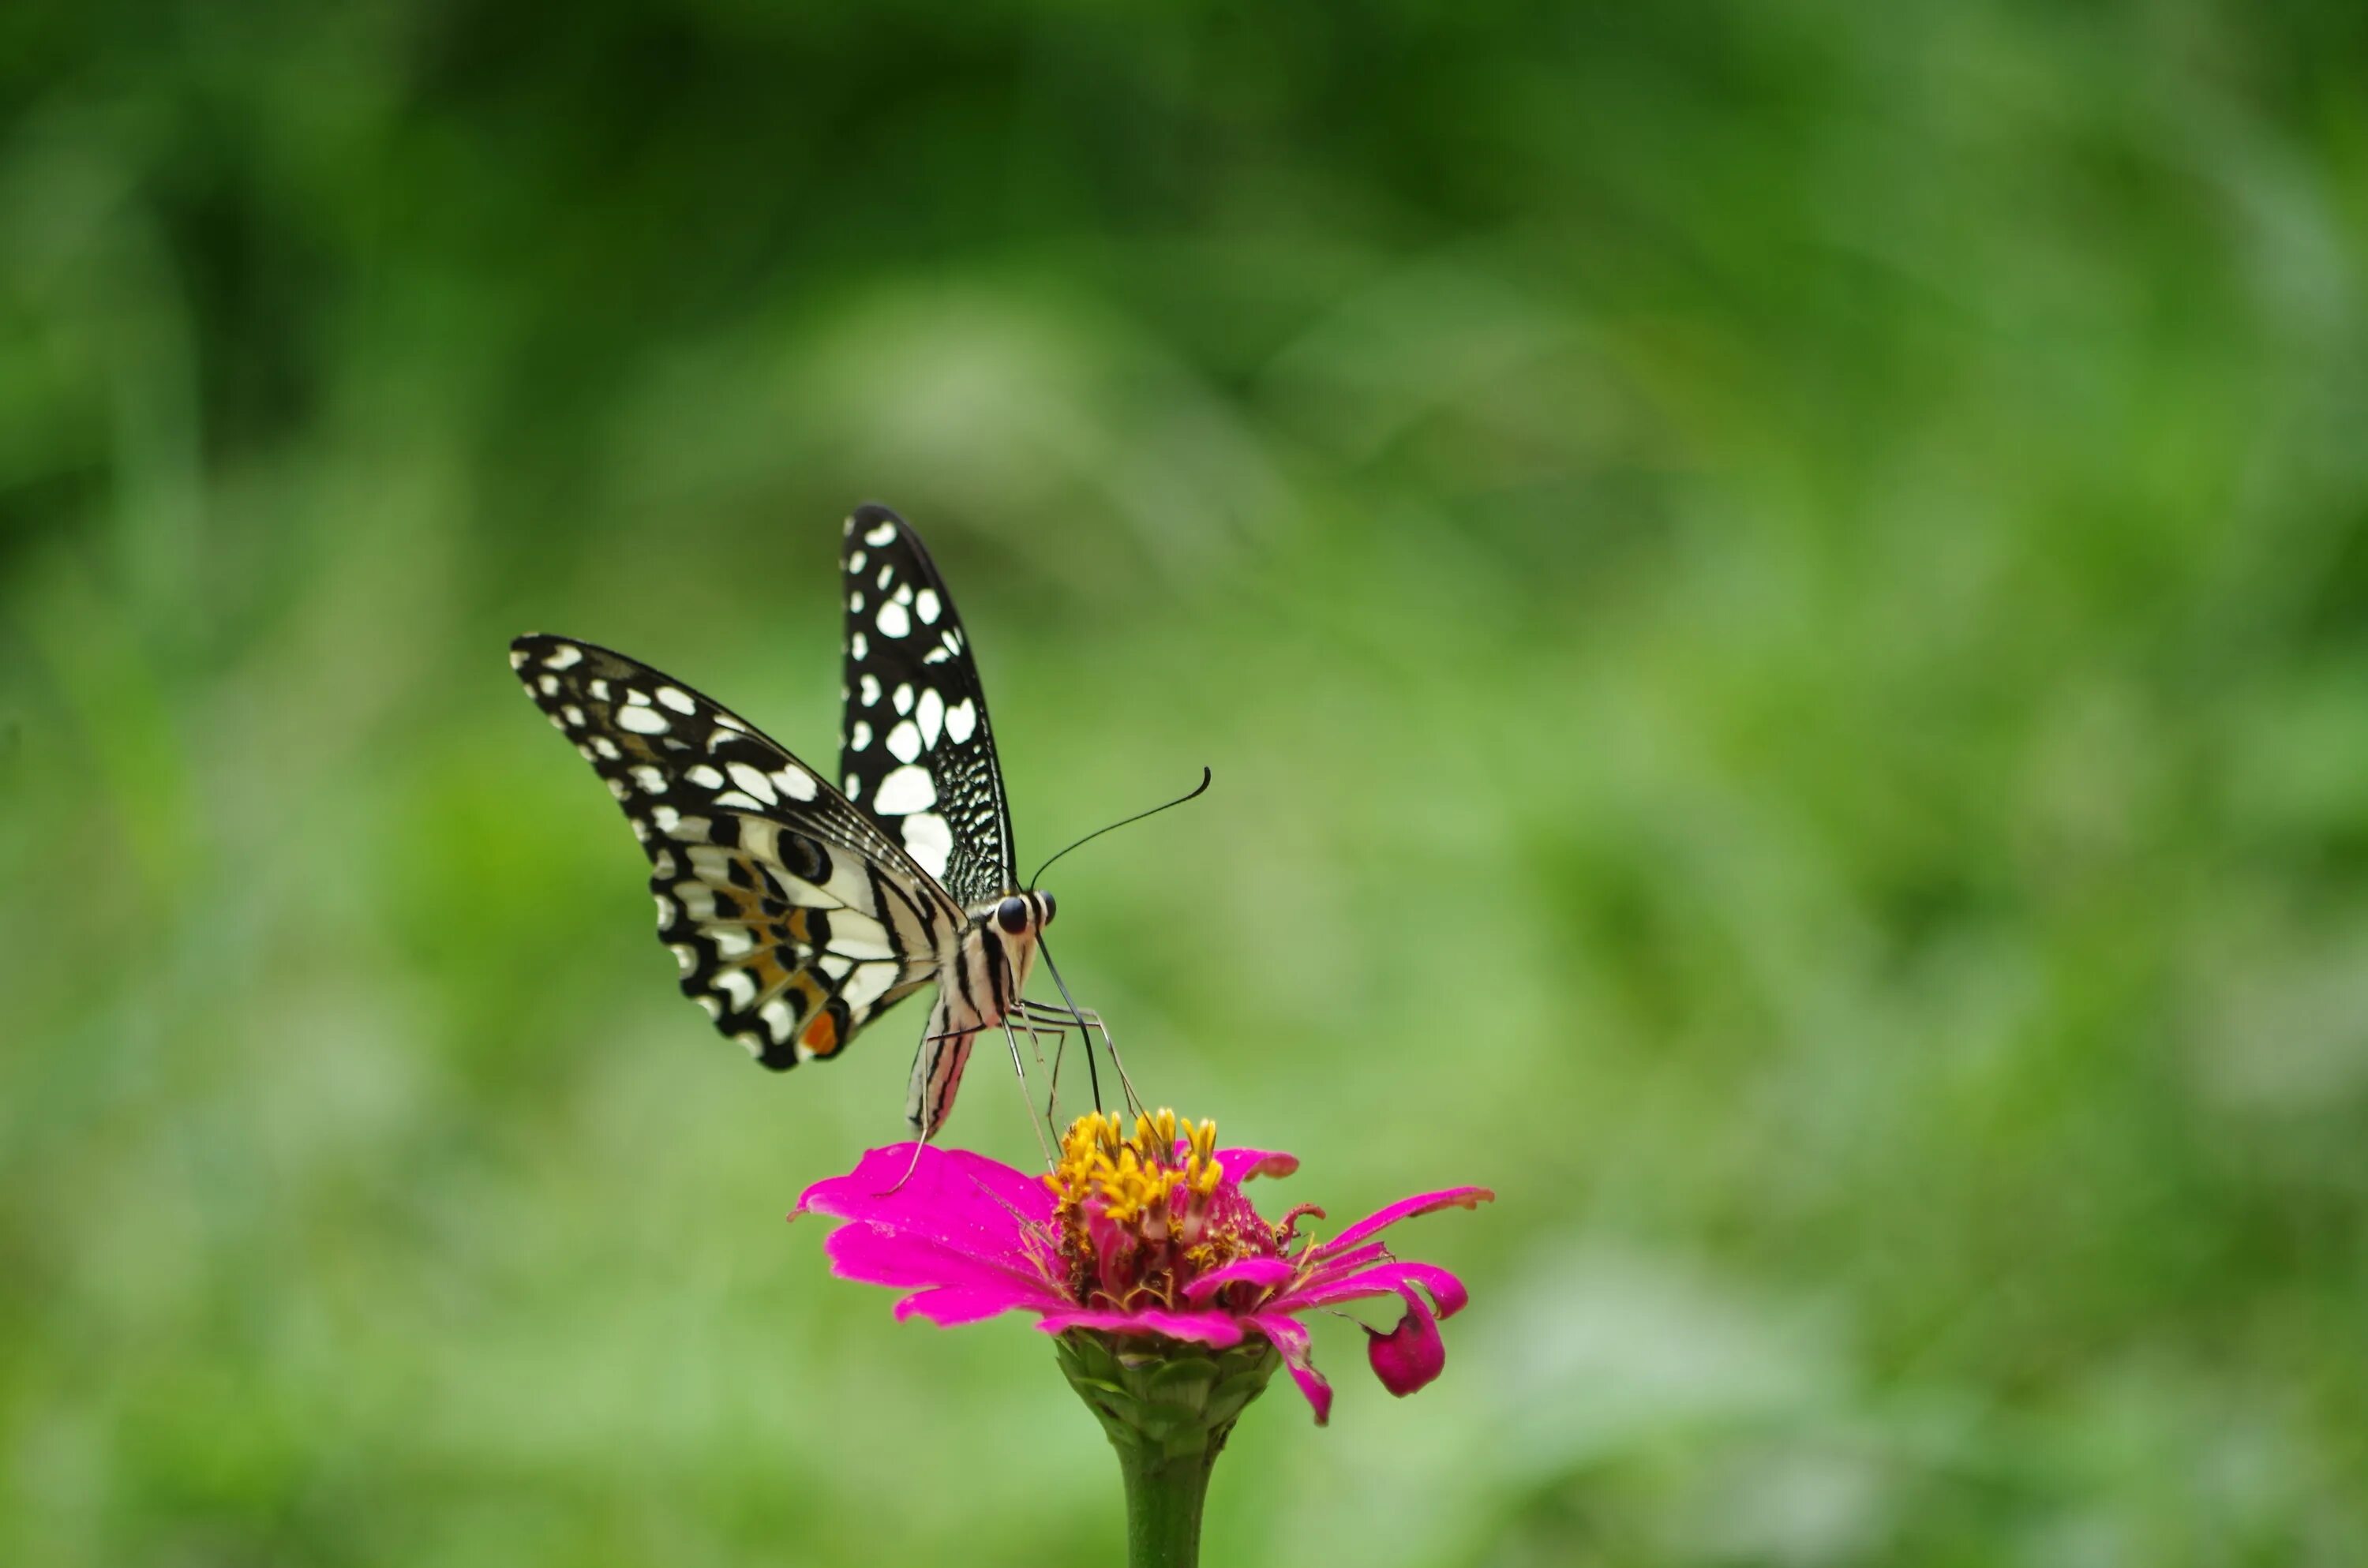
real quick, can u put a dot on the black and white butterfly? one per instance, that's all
(798, 912)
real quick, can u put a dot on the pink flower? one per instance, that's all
(1140, 1239)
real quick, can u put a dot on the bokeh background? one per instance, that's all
(1778, 593)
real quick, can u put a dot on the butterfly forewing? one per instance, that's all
(794, 919)
(916, 750)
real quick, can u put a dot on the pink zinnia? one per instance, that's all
(1138, 1241)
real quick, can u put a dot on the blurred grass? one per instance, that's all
(1778, 595)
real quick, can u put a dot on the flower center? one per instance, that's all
(1141, 1217)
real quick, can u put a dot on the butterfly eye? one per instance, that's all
(1012, 914)
(1046, 899)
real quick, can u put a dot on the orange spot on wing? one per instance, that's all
(821, 1037)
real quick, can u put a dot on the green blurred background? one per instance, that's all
(1778, 595)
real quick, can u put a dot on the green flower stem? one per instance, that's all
(1167, 1409)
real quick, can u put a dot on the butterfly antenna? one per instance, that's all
(1192, 793)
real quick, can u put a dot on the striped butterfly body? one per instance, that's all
(799, 911)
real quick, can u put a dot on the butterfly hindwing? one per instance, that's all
(795, 921)
(916, 750)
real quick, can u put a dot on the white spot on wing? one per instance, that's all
(653, 782)
(932, 716)
(961, 721)
(903, 697)
(574, 715)
(777, 1019)
(926, 606)
(906, 790)
(859, 737)
(564, 657)
(928, 840)
(871, 687)
(892, 620)
(732, 943)
(550, 685)
(881, 535)
(904, 740)
(676, 699)
(685, 955)
(859, 646)
(864, 986)
(795, 782)
(642, 720)
(605, 747)
(736, 984)
(855, 562)
(518, 658)
(853, 788)
(704, 777)
(755, 782)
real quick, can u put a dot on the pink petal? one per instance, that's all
(1406, 1209)
(1290, 1337)
(876, 1257)
(951, 1305)
(965, 1200)
(1267, 1272)
(1329, 1289)
(1409, 1355)
(1219, 1329)
(1240, 1165)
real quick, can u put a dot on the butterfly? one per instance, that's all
(800, 912)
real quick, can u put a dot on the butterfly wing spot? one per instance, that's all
(854, 561)
(674, 696)
(565, 656)
(869, 687)
(518, 658)
(651, 780)
(925, 605)
(703, 775)
(859, 646)
(572, 717)
(795, 782)
(753, 782)
(881, 535)
(904, 740)
(932, 715)
(905, 791)
(893, 619)
(640, 720)
(855, 602)
(961, 722)
(858, 739)
(550, 685)
(904, 698)
(929, 840)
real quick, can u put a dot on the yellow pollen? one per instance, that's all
(1137, 1214)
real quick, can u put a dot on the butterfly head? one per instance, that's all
(1024, 914)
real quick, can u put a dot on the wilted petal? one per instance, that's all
(1219, 1329)
(1240, 1165)
(968, 1202)
(1264, 1272)
(1289, 1337)
(1410, 1354)
(1329, 1289)
(1406, 1209)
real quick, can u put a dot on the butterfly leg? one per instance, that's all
(1084, 1019)
(1020, 1072)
